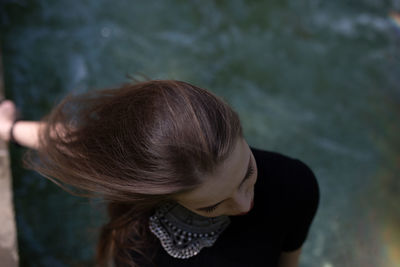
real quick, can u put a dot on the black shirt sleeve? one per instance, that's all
(302, 195)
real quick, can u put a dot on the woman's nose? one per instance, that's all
(242, 202)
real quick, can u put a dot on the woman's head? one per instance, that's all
(145, 143)
(150, 139)
(229, 190)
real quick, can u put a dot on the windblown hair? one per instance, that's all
(135, 146)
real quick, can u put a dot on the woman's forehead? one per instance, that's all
(223, 181)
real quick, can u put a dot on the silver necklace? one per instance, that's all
(183, 233)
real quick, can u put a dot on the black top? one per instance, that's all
(286, 198)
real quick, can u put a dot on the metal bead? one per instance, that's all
(181, 243)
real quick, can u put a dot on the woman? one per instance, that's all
(183, 186)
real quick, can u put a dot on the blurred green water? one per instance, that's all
(315, 80)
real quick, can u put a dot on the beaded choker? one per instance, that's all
(183, 233)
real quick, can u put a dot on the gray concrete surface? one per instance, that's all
(8, 233)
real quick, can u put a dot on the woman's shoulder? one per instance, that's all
(293, 176)
(275, 161)
(272, 161)
(289, 187)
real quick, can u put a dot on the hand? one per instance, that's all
(8, 113)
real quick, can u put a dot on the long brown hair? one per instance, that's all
(135, 146)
